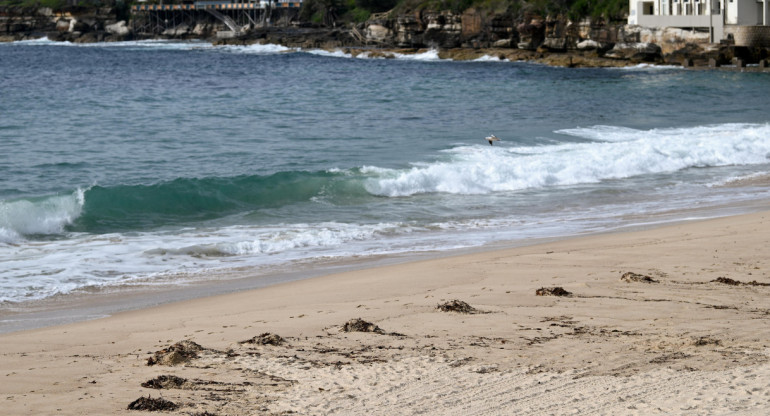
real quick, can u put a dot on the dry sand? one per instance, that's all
(666, 339)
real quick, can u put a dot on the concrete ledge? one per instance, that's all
(225, 34)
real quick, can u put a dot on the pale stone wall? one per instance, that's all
(749, 35)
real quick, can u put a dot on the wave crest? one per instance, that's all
(611, 153)
(34, 216)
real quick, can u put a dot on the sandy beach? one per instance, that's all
(672, 320)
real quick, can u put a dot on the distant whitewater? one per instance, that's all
(171, 162)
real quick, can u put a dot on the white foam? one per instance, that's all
(738, 179)
(278, 239)
(39, 269)
(332, 54)
(427, 56)
(605, 133)
(615, 153)
(490, 58)
(39, 41)
(646, 67)
(257, 49)
(159, 44)
(45, 216)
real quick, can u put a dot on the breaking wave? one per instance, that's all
(605, 153)
(39, 216)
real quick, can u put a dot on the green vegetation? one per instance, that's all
(328, 12)
(60, 4)
(336, 12)
(610, 9)
(54, 4)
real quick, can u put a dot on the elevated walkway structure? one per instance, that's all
(235, 14)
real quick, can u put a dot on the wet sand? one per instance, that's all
(672, 320)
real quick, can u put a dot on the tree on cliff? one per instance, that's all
(330, 12)
(333, 12)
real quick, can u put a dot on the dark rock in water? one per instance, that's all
(690, 53)
(90, 37)
(456, 306)
(180, 352)
(165, 382)
(265, 339)
(552, 291)
(636, 277)
(152, 405)
(359, 325)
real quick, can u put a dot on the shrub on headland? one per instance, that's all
(335, 12)
(331, 12)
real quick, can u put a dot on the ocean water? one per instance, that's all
(153, 163)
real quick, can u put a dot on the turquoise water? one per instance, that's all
(157, 162)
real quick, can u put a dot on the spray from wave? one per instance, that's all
(113, 235)
(39, 216)
(607, 153)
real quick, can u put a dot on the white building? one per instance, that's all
(715, 15)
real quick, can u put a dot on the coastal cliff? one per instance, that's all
(73, 24)
(553, 40)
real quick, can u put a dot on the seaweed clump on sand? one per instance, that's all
(180, 352)
(266, 338)
(706, 341)
(552, 291)
(733, 282)
(165, 382)
(636, 277)
(359, 325)
(727, 281)
(456, 306)
(152, 404)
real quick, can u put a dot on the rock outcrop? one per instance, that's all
(553, 40)
(636, 52)
(74, 24)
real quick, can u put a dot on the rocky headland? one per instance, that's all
(551, 40)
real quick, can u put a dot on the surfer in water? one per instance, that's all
(492, 139)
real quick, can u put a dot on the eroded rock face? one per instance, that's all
(531, 34)
(554, 44)
(669, 39)
(408, 28)
(378, 33)
(588, 45)
(80, 25)
(447, 30)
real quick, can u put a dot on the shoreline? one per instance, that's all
(563, 59)
(85, 305)
(673, 343)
